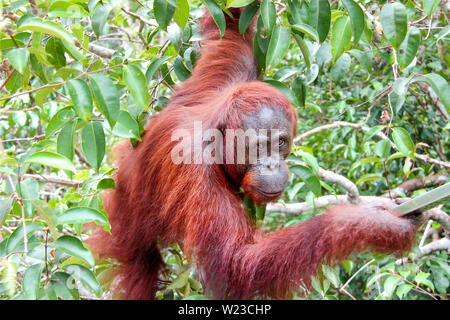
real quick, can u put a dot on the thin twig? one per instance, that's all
(46, 260)
(356, 273)
(52, 179)
(39, 137)
(34, 8)
(7, 78)
(52, 85)
(139, 17)
(22, 206)
(425, 233)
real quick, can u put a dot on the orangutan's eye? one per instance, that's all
(281, 142)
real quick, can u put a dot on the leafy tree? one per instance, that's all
(369, 81)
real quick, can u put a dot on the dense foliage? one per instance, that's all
(77, 76)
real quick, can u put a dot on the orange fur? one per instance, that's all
(158, 202)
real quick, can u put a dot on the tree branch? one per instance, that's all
(139, 17)
(39, 137)
(34, 8)
(52, 179)
(436, 214)
(298, 208)
(416, 184)
(81, 157)
(381, 135)
(349, 186)
(334, 178)
(441, 244)
(101, 51)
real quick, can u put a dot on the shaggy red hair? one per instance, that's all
(158, 202)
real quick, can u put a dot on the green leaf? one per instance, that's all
(82, 215)
(74, 247)
(217, 15)
(400, 86)
(369, 177)
(285, 90)
(76, 53)
(306, 29)
(390, 284)
(260, 212)
(403, 289)
(331, 275)
(181, 14)
(48, 27)
(154, 66)
(310, 160)
(51, 159)
(81, 98)
(394, 21)
(18, 57)
(180, 281)
(311, 181)
(247, 16)
(304, 49)
(299, 90)
(5, 206)
(370, 160)
(372, 131)
(403, 142)
(320, 17)
(238, 3)
(106, 183)
(408, 49)
(136, 83)
(180, 69)
(126, 126)
(59, 120)
(278, 45)
(443, 33)
(260, 53)
(165, 72)
(67, 9)
(64, 143)
(364, 59)
(31, 281)
(356, 17)
(396, 155)
(429, 6)
(397, 97)
(99, 18)
(9, 277)
(55, 52)
(85, 276)
(46, 212)
(93, 143)
(163, 13)
(422, 278)
(439, 85)
(268, 14)
(41, 95)
(107, 97)
(250, 207)
(15, 241)
(64, 286)
(341, 37)
(383, 149)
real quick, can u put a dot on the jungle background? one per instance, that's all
(369, 81)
